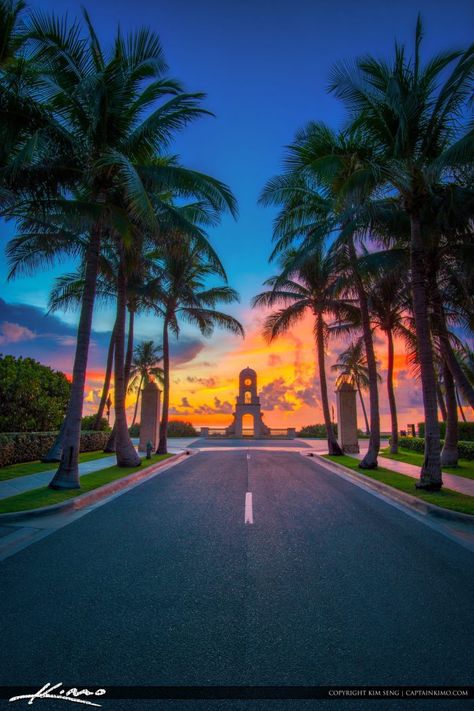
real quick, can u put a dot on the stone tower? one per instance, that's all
(247, 403)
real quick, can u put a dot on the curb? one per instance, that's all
(90, 497)
(401, 497)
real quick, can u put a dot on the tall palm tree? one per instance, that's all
(145, 369)
(312, 289)
(117, 112)
(411, 115)
(388, 308)
(180, 293)
(352, 367)
(320, 166)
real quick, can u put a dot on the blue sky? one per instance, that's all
(264, 67)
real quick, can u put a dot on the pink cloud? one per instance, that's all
(14, 333)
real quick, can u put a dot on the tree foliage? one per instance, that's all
(34, 397)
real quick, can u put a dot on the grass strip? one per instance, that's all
(465, 467)
(13, 471)
(446, 498)
(37, 498)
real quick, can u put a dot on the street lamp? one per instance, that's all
(108, 404)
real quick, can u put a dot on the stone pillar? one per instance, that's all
(347, 418)
(291, 433)
(150, 416)
(204, 431)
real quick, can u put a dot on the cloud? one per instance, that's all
(274, 360)
(185, 402)
(30, 332)
(220, 408)
(15, 333)
(185, 350)
(308, 396)
(207, 382)
(273, 396)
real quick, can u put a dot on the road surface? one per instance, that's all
(167, 584)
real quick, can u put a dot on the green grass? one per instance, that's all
(465, 467)
(36, 498)
(446, 498)
(24, 468)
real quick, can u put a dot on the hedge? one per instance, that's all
(465, 429)
(417, 444)
(16, 447)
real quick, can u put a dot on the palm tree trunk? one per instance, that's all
(136, 403)
(129, 356)
(163, 443)
(457, 372)
(449, 453)
(67, 475)
(333, 444)
(55, 451)
(370, 459)
(125, 451)
(460, 378)
(460, 406)
(362, 403)
(391, 396)
(441, 403)
(430, 473)
(110, 444)
(108, 375)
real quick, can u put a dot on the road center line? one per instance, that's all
(248, 517)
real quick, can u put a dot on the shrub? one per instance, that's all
(317, 431)
(417, 444)
(16, 447)
(34, 397)
(466, 430)
(134, 430)
(178, 428)
(88, 421)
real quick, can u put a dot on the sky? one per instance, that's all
(264, 67)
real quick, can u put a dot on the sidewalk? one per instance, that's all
(450, 481)
(11, 487)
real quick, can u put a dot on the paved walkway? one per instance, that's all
(11, 487)
(451, 481)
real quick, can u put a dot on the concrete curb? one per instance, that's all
(90, 497)
(401, 497)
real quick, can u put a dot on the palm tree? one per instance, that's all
(12, 37)
(116, 113)
(320, 166)
(145, 369)
(352, 367)
(313, 289)
(179, 292)
(411, 115)
(388, 307)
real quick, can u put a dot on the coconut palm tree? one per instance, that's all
(145, 369)
(179, 293)
(117, 111)
(411, 115)
(388, 309)
(312, 289)
(321, 164)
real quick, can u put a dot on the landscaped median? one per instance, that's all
(465, 467)
(13, 471)
(99, 480)
(444, 499)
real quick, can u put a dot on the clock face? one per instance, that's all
(247, 381)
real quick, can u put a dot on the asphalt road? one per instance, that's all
(215, 442)
(166, 584)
